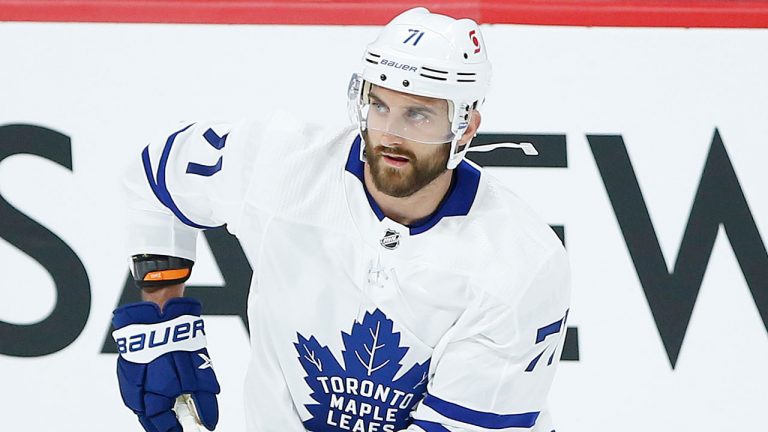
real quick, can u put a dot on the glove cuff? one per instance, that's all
(150, 313)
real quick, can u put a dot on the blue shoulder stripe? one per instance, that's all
(479, 418)
(429, 426)
(159, 187)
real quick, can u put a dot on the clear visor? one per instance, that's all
(415, 122)
(426, 122)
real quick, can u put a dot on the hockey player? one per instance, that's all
(396, 285)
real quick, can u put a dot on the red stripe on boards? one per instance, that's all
(620, 13)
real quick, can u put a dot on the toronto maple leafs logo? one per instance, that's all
(363, 395)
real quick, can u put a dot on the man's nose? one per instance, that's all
(389, 139)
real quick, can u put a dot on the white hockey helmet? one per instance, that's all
(430, 55)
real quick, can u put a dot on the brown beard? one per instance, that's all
(401, 183)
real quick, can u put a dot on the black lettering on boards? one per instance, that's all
(73, 300)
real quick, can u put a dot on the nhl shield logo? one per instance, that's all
(391, 239)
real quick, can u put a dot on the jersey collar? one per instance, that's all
(457, 202)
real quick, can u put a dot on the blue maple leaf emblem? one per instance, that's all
(363, 395)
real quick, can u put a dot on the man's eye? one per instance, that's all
(379, 107)
(416, 116)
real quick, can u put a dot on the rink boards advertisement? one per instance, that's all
(652, 168)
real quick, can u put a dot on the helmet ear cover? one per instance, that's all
(158, 271)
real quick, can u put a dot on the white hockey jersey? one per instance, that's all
(359, 323)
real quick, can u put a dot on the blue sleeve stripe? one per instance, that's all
(204, 170)
(565, 320)
(552, 357)
(159, 187)
(533, 362)
(548, 330)
(479, 418)
(429, 426)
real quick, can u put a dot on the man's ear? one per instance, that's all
(474, 124)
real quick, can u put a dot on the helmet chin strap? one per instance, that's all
(362, 144)
(527, 148)
(457, 155)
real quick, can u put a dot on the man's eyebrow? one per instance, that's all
(422, 108)
(373, 95)
(418, 108)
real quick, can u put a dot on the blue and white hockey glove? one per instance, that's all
(163, 356)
